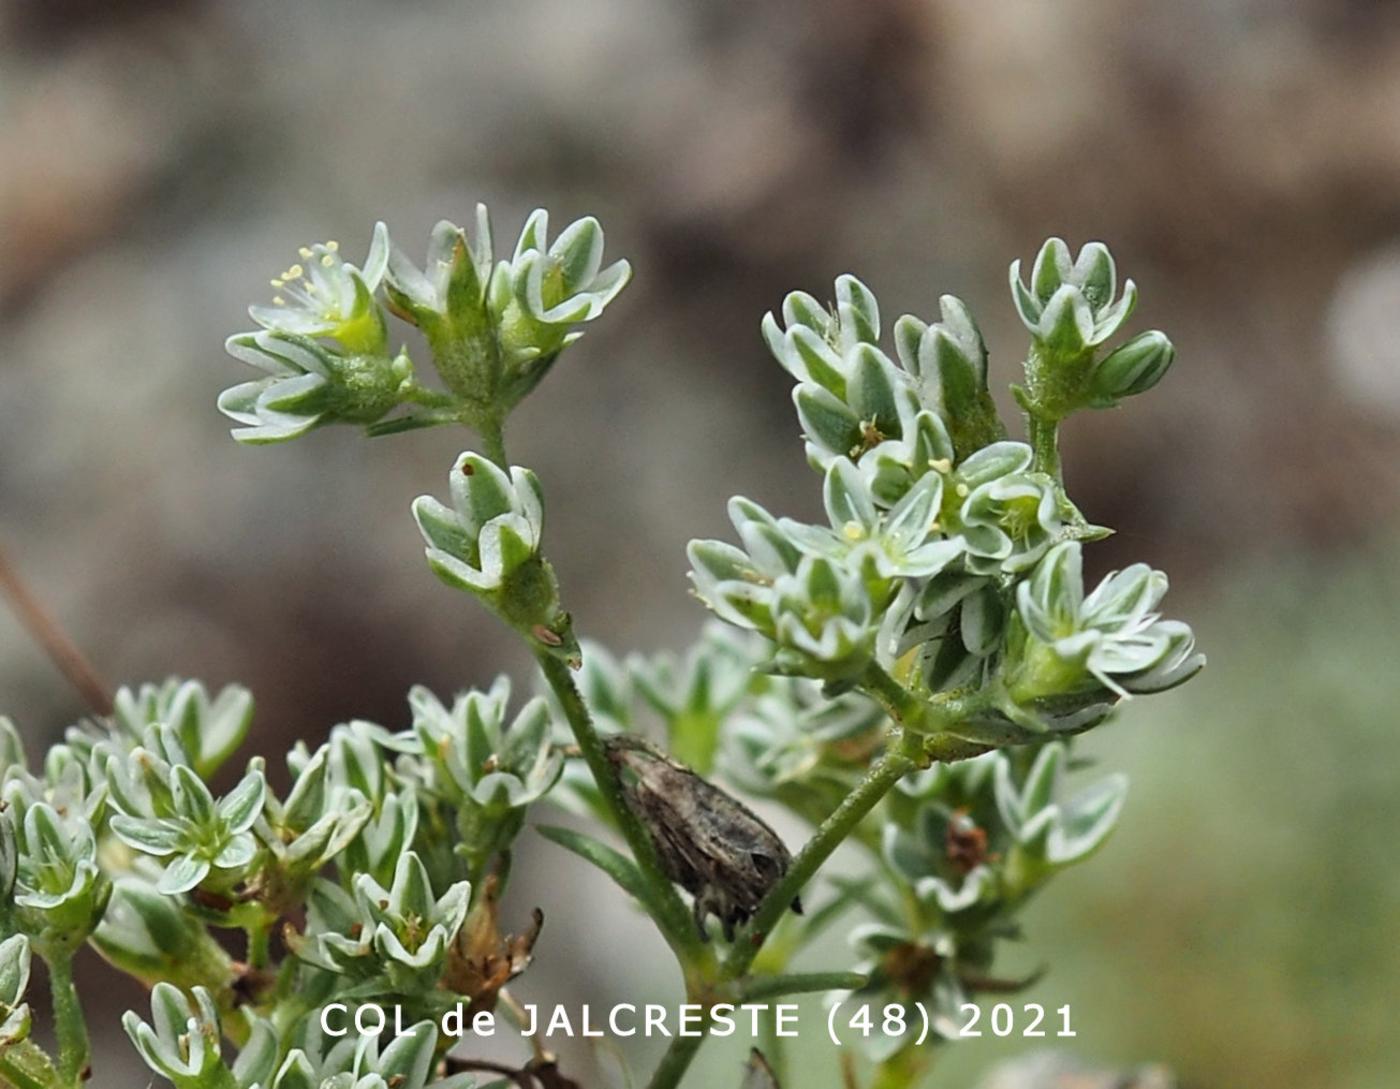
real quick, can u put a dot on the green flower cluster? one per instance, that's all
(182, 1043)
(394, 846)
(907, 675)
(942, 559)
(494, 329)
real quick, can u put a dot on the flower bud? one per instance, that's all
(488, 543)
(1133, 368)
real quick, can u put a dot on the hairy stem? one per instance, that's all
(1045, 445)
(70, 1027)
(675, 921)
(493, 441)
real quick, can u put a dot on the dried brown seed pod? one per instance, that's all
(708, 842)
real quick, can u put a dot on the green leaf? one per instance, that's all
(612, 862)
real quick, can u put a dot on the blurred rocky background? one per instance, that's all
(160, 160)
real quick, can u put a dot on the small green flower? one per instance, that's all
(545, 291)
(694, 694)
(200, 836)
(312, 1059)
(1009, 523)
(349, 781)
(327, 296)
(488, 542)
(904, 542)
(911, 972)
(69, 784)
(1066, 643)
(209, 729)
(1072, 305)
(823, 621)
(949, 361)
(407, 1063)
(308, 385)
(447, 296)
(182, 1041)
(794, 744)
(479, 759)
(316, 823)
(59, 893)
(1048, 832)
(402, 930)
(492, 529)
(486, 770)
(14, 981)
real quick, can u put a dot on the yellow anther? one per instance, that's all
(327, 261)
(962, 491)
(277, 300)
(275, 282)
(294, 273)
(940, 465)
(333, 245)
(853, 531)
(304, 252)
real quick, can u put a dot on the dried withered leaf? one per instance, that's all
(482, 960)
(708, 842)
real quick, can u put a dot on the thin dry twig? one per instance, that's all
(62, 651)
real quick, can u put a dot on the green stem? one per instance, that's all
(1045, 444)
(828, 836)
(258, 934)
(677, 1060)
(926, 715)
(673, 918)
(887, 771)
(24, 1066)
(70, 1027)
(493, 441)
(899, 703)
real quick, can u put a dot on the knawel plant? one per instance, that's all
(908, 676)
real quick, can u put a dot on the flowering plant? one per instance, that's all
(910, 675)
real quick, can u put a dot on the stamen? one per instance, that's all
(275, 282)
(327, 261)
(296, 272)
(277, 300)
(304, 252)
(333, 245)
